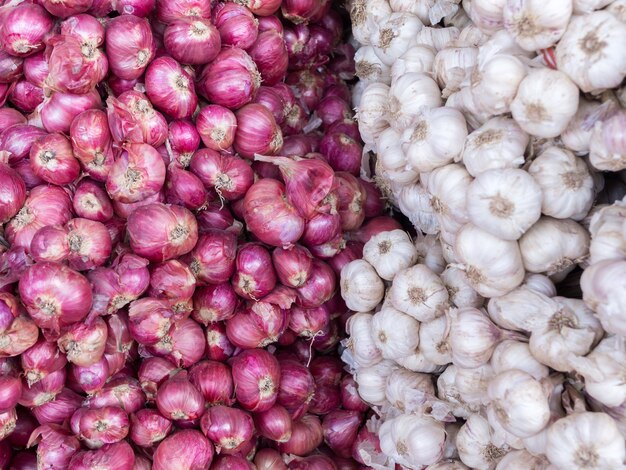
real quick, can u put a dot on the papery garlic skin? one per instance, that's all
(546, 100)
(448, 465)
(522, 460)
(492, 266)
(404, 389)
(430, 253)
(453, 66)
(587, 6)
(604, 291)
(504, 202)
(434, 335)
(370, 68)
(566, 184)
(364, 15)
(487, 15)
(536, 24)
(419, 292)
(372, 381)
(499, 143)
(448, 186)
(460, 292)
(577, 135)
(475, 444)
(390, 252)
(607, 150)
(414, 202)
(585, 441)
(495, 82)
(361, 288)
(389, 151)
(372, 111)
(417, 362)
(607, 239)
(464, 389)
(419, 8)
(393, 35)
(395, 334)
(539, 283)
(590, 51)
(361, 343)
(408, 94)
(419, 59)
(522, 309)
(437, 37)
(512, 354)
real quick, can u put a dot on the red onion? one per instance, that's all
(374, 203)
(295, 119)
(306, 436)
(9, 117)
(84, 344)
(257, 132)
(118, 456)
(228, 428)
(296, 388)
(228, 175)
(121, 391)
(269, 216)
(281, 296)
(119, 339)
(350, 399)
(216, 125)
(59, 409)
(24, 461)
(8, 421)
(328, 340)
(53, 161)
(256, 375)
(55, 295)
(365, 444)
(25, 27)
(139, 172)
(218, 216)
(332, 109)
(91, 143)
(273, 101)
(55, 445)
(168, 10)
(65, 9)
(309, 84)
(325, 400)
(323, 228)
(153, 371)
(18, 140)
(326, 370)
(5, 92)
(213, 259)
(307, 323)
(159, 232)
(185, 188)
(13, 192)
(293, 266)
(11, 67)
(102, 426)
(183, 449)
(214, 381)
(231, 462)
(91, 201)
(91, 378)
(348, 127)
(10, 392)
(214, 303)
(130, 46)
(180, 345)
(26, 96)
(18, 336)
(59, 110)
(89, 243)
(270, 55)
(375, 226)
(351, 196)
(133, 118)
(257, 326)
(135, 7)
(40, 360)
(123, 211)
(24, 427)
(182, 141)
(340, 430)
(314, 462)
(236, 25)
(150, 320)
(174, 281)
(254, 276)
(219, 348)
(353, 250)
(192, 41)
(170, 88)
(269, 459)
(178, 399)
(149, 427)
(274, 424)
(320, 286)
(36, 68)
(342, 152)
(23, 168)
(230, 80)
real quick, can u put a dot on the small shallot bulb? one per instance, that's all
(419, 292)
(361, 345)
(186, 448)
(395, 334)
(361, 288)
(274, 424)
(537, 25)
(256, 375)
(390, 253)
(228, 428)
(149, 427)
(178, 399)
(585, 440)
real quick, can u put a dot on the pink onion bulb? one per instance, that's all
(254, 275)
(228, 428)
(59, 110)
(25, 27)
(214, 380)
(257, 132)
(256, 375)
(236, 25)
(91, 143)
(25, 96)
(84, 344)
(296, 389)
(215, 302)
(130, 46)
(10, 117)
(55, 445)
(90, 379)
(193, 41)
(118, 456)
(269, 459)
(40, 360)
(102, 426)
(293, 266)
(89, 243)
(121, 391)
(183, 140)
(170, 88)
(53, 161)
(13, 192)
(153, 372)
(91, 201)
(340, 430)
(149, 427)
(216, 125)
(228, 175)
(185, 189)
(219, 348)
(180, 344)
(178, 399)
(212, 261)
(257, 326)
(274, 424)
(133, 118)
(174, 281)
(270, 55)
(184, 449)
(18, 139)
(306, 436)
(150, 320)
(171, 10)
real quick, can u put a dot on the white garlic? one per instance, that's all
(546, 100)
(390, 252)
(414, 202)
(460, 292)
(535, 24)
(434, 335)
(369, 67)
(417, 59)
(453, 66)
(395, 334)
(607, 240)
(419, 8)
(372, 381)
(604, 291)
(617, 8)
(435, 138)
(511, 354)
(389, 150)
(522, 460)
(487, 15)
(606, 148)
(589, 441)
(361, 342)
(417, 362)
(357, 93)
(430, 252)
(493, 266)
(475, 444)
(448, 253)
(419, 292)
(447, 391)
(539, 283)
(412, 440)
(447, 465)
(372, 112)
(553, 245)
(438, 37)
(566, 184)
(364, 14)
(463, 100)
(408, 94)
(361, 287)
(499, 143)
(577, 134)
(470, 35)
(504, 202)
(587, 6)
(590, 51)
(404, 386)
(392, 36)
(522, 309)
(495, 82)
(448, 186)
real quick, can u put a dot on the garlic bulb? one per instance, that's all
(606, 148)
(499, 143)
(369, 67)
(566, 184)
(417, 362)
(539, 283)
(587, 6)
(438, 38)
(604, 369)
(518, 402)
(453, 66)
(389, 150)
(472, 337)
(448, 186)
(492, 266)
(392, 36)
(361, 343)
(617, 8)
(536, 24)
(434, 336)
(390, 252)
(430, 253)
(414, 202)
(405, 389)
(590, 51)
(463, 100)
(495, 82)
(419, 292)
(412, 440)
(475, 444)
(546, 100)
(511, 354)
(447, 465)
(577, 134)
(364, 14)
(604, 291)
(607, 240)
(372, 112)
(418, 59)
(372, 381)
(460, 292)
(487, 15)
(408, 94)
(585, 441)
(522, 309)
(447, 391)
(361, 287)
(395, 334)
(504, 202)
(553, 246)
(522, 460)
(435, 138)
(419, 8)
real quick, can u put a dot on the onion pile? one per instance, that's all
(180, 189)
